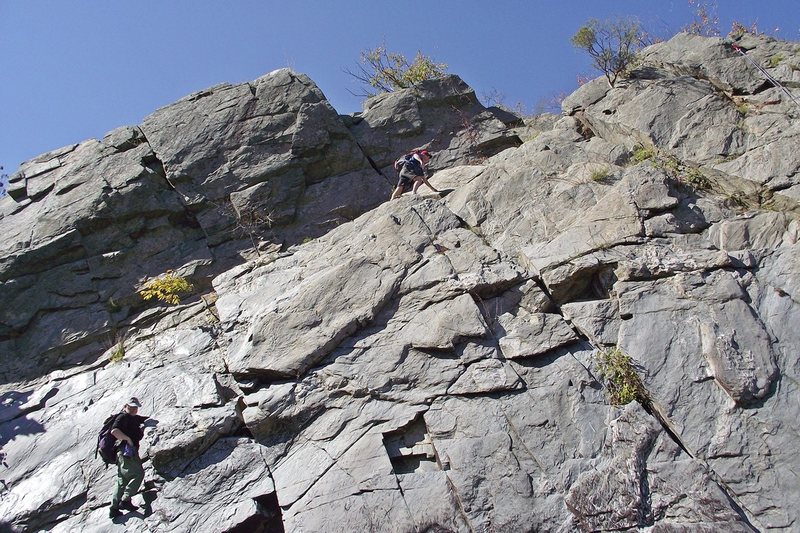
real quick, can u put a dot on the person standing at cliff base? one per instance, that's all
(127, 429)
(413, 172)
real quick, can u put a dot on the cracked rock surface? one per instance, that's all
(429, 363)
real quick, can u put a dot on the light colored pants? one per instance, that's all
(130, 475)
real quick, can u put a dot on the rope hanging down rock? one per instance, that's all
(766, 74)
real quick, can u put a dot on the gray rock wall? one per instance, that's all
(431, 365)
(201, 185)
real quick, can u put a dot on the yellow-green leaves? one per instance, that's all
(383, 71)
(622, 381)
(612, 44)
(166, 288)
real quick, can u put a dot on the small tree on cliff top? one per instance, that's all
(382, 71)
(613, 45)
(706, 19)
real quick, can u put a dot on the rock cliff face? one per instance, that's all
(431, 363)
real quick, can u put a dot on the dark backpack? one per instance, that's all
(107, 443)
(400, 163)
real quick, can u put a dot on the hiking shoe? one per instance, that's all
(128, 505)
(114, 513)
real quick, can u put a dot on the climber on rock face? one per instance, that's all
(413, 172)
(127, 429)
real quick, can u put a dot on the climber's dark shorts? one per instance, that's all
(406, 181)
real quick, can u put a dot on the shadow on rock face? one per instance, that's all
(148, 497)
(14, 406)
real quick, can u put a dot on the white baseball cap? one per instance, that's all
(134, 402)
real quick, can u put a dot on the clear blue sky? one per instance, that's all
(75, 69)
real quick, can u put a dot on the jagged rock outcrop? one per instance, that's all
(431, 365)
(444, 116)
(218, 175)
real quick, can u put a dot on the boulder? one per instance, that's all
(442, 115)
(243, 155)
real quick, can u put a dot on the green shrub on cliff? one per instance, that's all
(612, 44)
(166, 288)
(643, 153)
(118, 354)
(622, 381)
(380, 70)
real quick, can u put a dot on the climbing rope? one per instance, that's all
(766, 74)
